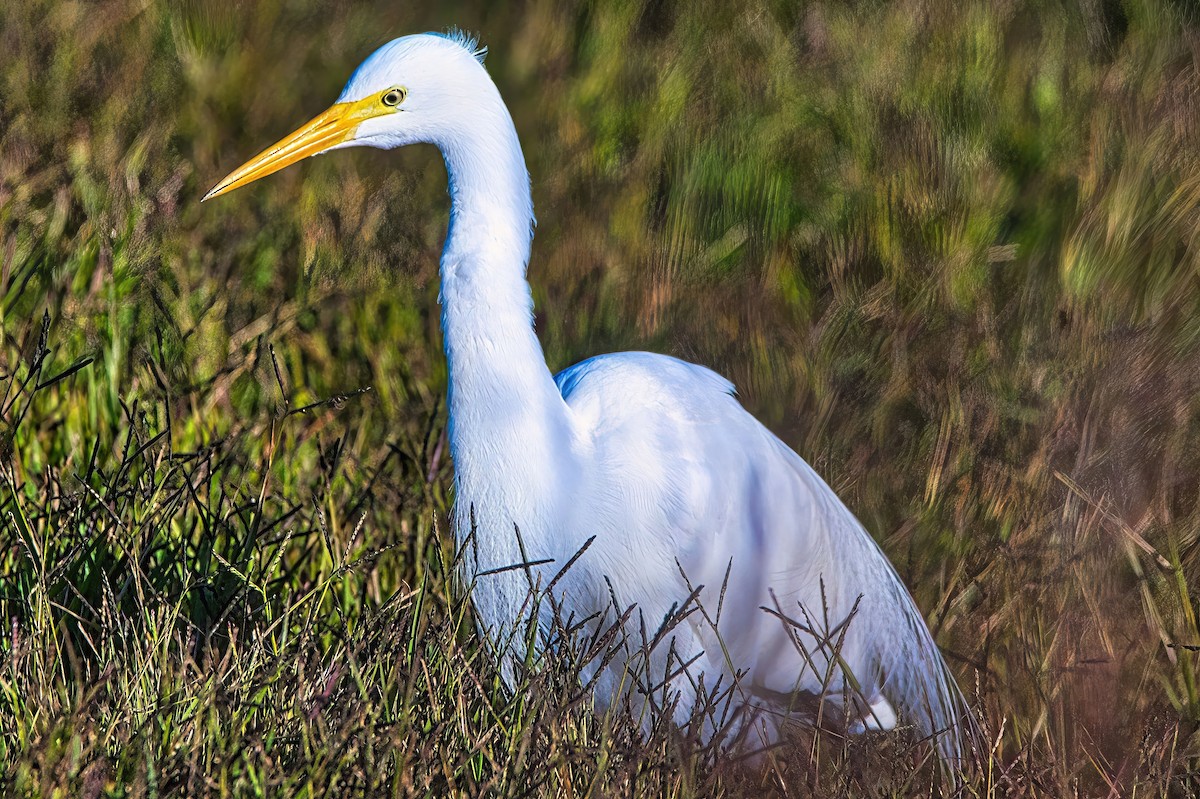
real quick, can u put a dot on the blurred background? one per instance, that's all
(947, 250)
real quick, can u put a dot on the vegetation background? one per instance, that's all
(948, 250)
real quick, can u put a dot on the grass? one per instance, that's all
(946, 250)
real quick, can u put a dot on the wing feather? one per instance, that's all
(704, 490)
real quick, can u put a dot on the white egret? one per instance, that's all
(683, 493)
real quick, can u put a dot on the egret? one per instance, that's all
(642, 471)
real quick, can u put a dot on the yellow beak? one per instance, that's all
(335, 126)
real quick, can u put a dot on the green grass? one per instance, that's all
(946, 250)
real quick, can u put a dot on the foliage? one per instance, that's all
(947, 250)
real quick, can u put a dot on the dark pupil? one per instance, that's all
(392, 98)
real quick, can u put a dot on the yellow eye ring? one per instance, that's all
(394, 96)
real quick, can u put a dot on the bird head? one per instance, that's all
(413, 89)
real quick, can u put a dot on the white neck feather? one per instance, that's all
(508, 421)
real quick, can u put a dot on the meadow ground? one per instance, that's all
(947, 250)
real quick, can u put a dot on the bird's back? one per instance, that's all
(684, 489)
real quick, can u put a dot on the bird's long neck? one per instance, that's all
(509, 426)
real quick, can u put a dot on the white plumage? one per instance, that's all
(679, 490)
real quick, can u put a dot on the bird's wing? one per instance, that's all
(715, 493)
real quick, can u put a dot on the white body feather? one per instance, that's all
(651, 457)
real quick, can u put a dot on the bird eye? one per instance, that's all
(393, 97)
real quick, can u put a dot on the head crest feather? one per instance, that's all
(467, 41)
